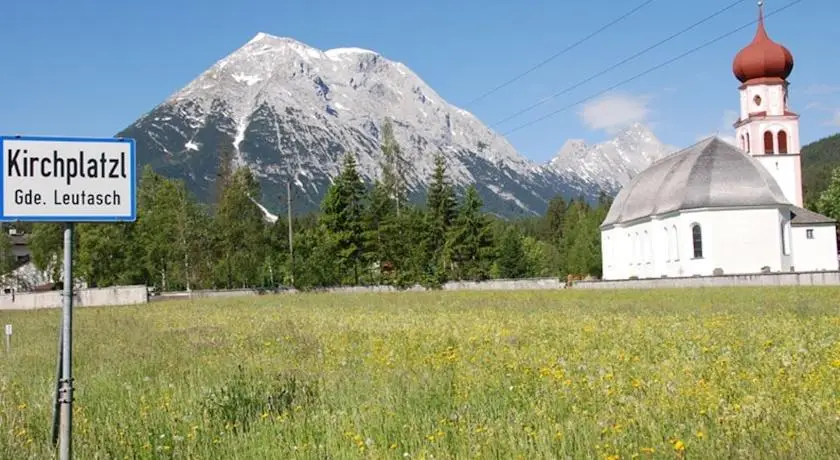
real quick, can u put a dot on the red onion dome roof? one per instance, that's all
(762, 58)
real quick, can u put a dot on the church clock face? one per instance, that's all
(757, 99)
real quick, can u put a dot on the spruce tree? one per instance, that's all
(551, 228)
(381, 242)
(441, 210)
(342, 211)
(440, 201)
(511, 261)
(393, 167)
(470, 240)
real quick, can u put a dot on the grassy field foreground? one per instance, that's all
(723, 373)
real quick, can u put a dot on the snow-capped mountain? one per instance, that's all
(291, 111)
(611, 164)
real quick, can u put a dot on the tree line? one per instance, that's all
(363, 235)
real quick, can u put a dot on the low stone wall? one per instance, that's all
(492, 285)
(198, 294)
(116, 295)
(760, 279)
(505, 284)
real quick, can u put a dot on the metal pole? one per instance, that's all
(57, 395)
(66, 399)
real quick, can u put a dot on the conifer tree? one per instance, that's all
(342, 210)
(393, 167)
(471, 239)
(382, 232)
(441, 210)
(512, 262)
(224, 169)
(552, 223)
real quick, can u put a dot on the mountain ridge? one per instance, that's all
(610, 164)
(290, 111)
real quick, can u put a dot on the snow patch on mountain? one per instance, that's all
(335, 97)
(611, 164)
(290, 112)
(268, 216)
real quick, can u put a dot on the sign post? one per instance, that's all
(67, 180)
(8, 339)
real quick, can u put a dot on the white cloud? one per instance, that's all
(615, 111)
(836, 120)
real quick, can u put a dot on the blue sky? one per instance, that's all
(90, 68)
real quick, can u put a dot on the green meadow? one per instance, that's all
(702, 373)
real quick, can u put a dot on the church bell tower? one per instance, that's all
(767, 129)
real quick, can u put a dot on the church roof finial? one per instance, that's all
(761, 13)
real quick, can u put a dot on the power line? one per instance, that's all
(558, 54)
(626, 60)
(657, 67)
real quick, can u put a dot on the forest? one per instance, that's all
(364, 234)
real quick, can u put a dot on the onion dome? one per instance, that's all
(762, 58)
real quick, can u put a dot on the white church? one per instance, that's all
(717, 209)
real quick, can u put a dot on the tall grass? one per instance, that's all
(705, 373)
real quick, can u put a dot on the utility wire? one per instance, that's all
(659, 66)
(558, 54)
(626, 60)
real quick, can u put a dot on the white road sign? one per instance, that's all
(52, 179)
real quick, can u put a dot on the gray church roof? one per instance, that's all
(710, 174)
(802, 216)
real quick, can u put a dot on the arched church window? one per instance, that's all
(768, 143)
(782, 136)
(697, 240)
(743, 143)
(748, 142)
(668, 238)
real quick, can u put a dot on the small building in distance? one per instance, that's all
(716, 208)
(20, 246)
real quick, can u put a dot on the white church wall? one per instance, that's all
(786, 170)
(734, 240)
(815, 248)
(633, 251)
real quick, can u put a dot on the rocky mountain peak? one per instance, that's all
(612, 163)
(291, 111)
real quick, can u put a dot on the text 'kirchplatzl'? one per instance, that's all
(20, 164)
